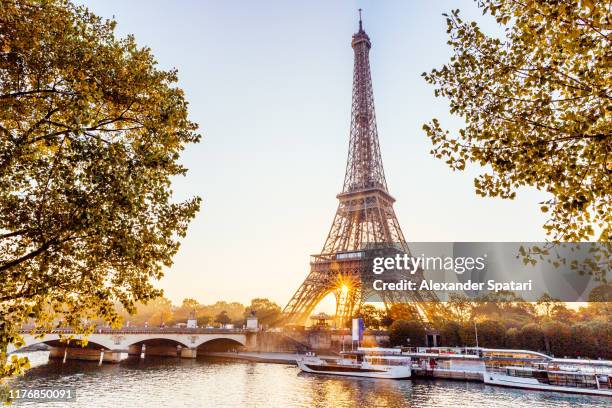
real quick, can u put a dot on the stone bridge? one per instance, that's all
(107, 344)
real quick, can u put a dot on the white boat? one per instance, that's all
(359, 363)
(550, 379)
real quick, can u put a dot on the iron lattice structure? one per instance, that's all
(365, 218)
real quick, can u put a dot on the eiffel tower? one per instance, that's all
(364, 220)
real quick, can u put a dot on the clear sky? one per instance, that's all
(269, 82)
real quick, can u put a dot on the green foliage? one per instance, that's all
(550, 327)
(467, 334)
(222, 318)
(537, 108)
(547, 304)
(90, 137)
(386, 320)
(459, 307)
(532, 337)
(557, 338)
(602, 293)
(234, 310)
(266, 311)
(185, 310)
(491, 333)
(450, 334)
(403, 311)
(401, 331)
(161, 311)
(513, 339)
(371, 316)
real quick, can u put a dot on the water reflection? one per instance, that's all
(207, 382)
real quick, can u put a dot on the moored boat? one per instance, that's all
(359, 363)
(552, 379)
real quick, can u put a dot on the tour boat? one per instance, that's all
(552, 378)
(359, 363)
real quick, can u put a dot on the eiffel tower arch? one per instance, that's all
(364, 220)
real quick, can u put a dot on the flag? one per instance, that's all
(358, 328)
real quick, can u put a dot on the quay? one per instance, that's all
(290, 359)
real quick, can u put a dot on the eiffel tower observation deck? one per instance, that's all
(365, 218)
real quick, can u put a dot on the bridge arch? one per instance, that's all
(73, 344)
(54, 340)
(220, 344)
(157, 341)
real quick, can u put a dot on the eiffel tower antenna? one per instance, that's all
(365, 218)
(360, 23)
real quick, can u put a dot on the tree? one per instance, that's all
(491, 333)
(184, 311)
(467, 333)
(536, 106)
(90, 136)
(585, 338)
(161, 317)
(222, 318)
(546, 303)
(403, 311)
(370, 316)
(513, 338)
(386, 320)
(561, 313)
(266, 311)
(602, 293)
(203, 320)
(450, 333)
(602, 330)
(557, 338)
(531, 337)
(596, 311)
(234, 310)
(459, 306)
(406, 333)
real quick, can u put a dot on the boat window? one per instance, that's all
(572, 380)
(520, 373)
(388, 362)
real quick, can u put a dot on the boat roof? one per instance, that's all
(579, 361)
(398, 351)
(395, 350)
(515, 351)
(449, 353)
(445, 356)
(383, 356)
(369, 353)
(390, 357)
(378, 351)
(518, 368)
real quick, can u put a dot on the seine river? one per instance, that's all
(207, 382)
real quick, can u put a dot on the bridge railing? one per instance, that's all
(143, 330)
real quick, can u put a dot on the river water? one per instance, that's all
(207, 382)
